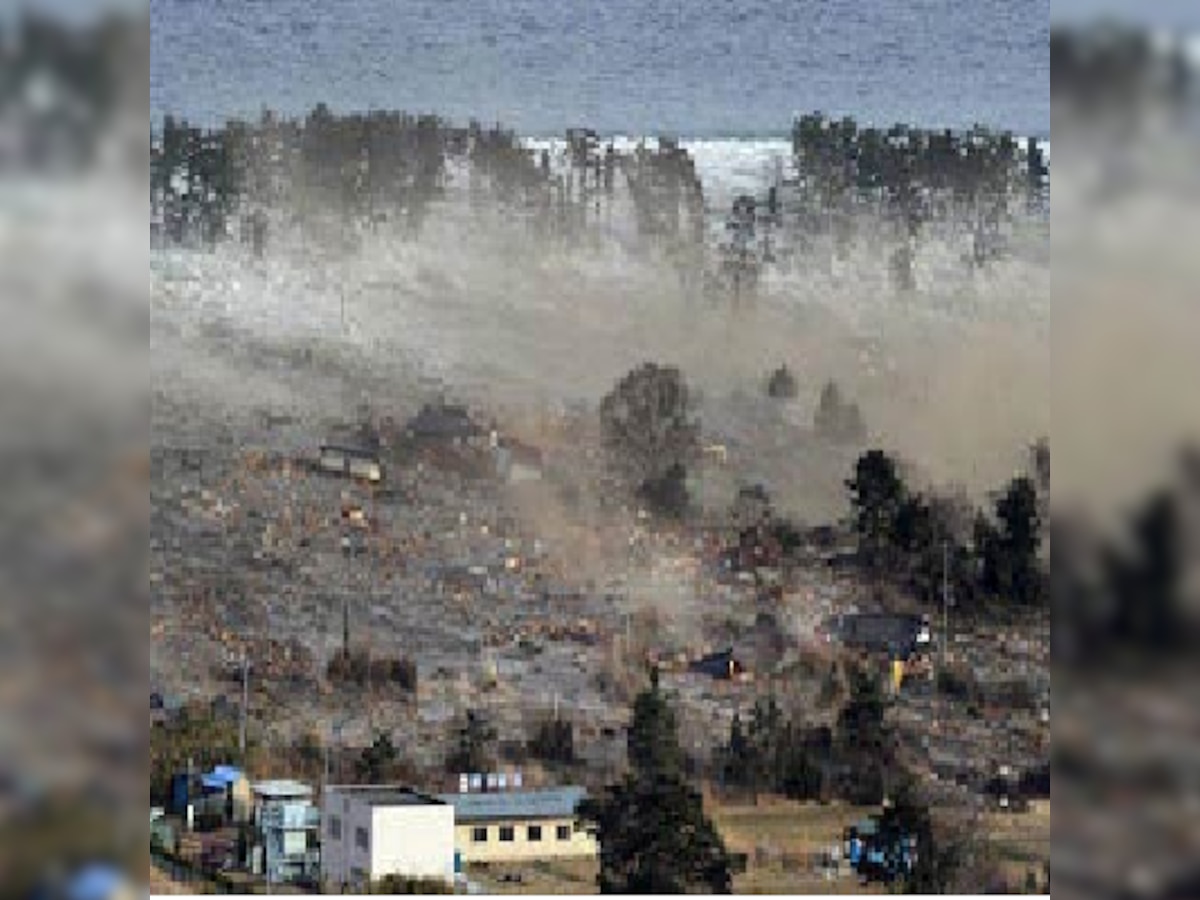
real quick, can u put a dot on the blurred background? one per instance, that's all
(73, 438)
(74, 415)
(1126, 416)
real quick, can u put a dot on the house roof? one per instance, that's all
(442, 422)
(554, 803)
(878, 628)
(348, 450)
(282, 790)
(715, 663)
(386, 795)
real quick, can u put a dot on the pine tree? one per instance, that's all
(474, 750)
(377, 762)
(865, 742)
(648, 425)
(654, 836)
(1009, 552)
(877, 497)
(913, 854)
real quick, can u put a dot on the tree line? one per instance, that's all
(1129, 598)
(854, 761)
(911, 173)
(915, 539)
(907, 537)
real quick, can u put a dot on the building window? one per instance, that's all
(564, 832)
(361, 839)
(534, 833)
(479, 835)
(507, 834)
(335, 828)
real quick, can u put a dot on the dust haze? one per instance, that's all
(953, 376)
(1126, 319)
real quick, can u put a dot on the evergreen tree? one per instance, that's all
(737, 753)
(1146, 583)
(647, 424)
(1009, 553)
(474, 750)
(652, 744)
(864, 743)
(914, 856)
(782, 384)
(836, 419)
(554, 742)
(667, 494)
(378, 761)
(654, 836)
(877, 497)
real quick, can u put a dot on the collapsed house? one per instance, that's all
(351, 462)
(516, 463)
(722, 666)
(442, 423)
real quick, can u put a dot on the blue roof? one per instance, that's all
(95, 883)
(221, 777)
(554, 803)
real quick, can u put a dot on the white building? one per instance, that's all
(287, 824)
(368, 833)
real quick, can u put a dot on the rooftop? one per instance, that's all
(554, 803)
(282, 790)
(360, 452)
(386, 795)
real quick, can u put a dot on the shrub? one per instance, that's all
(401, 884)
(958, 683)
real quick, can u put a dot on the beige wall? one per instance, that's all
(413, 841)
(581, 844)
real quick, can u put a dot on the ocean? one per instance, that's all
(701, 71)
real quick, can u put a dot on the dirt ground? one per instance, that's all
(161, 883)
(1021, 841)
(789, 832)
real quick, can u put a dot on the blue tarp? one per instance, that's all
(95, 883)
(855, 851)
(220, 778)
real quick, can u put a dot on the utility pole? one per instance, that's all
(245, 705)
(945, 599)
(346, 546)
(369, 600)
(945, 636)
